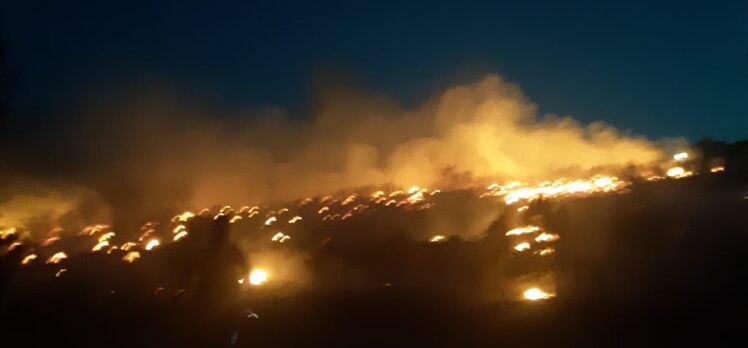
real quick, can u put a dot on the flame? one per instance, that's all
(127, 246)
(26, 260)
(546, 237)
(270, 220)
(180, 235)
(413, 189)
(235, 218)
(546, 251)
(523, 208)
(57, 257)
(258, 277)
(717, 169)
(523, 230)
(322, 210)
(280, 237)
(184, 217)
(5, 233)
(534, 294)
(516, 192)
(60, 272)
(522, 246)
(179, 228)
(294, 219)
(106, 237)
(680, 156)
(152, 244)
(131, 257)
(14, 245)
(93, 229)
(100, 245)
(437, 238)
(349, 200)
(678, 172)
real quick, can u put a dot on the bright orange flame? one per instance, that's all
(523, 230)
(522, 246)
(680, 156)
(5, 233)
(100, 245)
(28, 259)
(678, 172)
(534, 294)
(57, 257)
(152, 244)
(546, 237)
(437, 238)
(180, 235)
(546, 251)
(131, 257)
(280, 237)
(258, 277)
(184, 217)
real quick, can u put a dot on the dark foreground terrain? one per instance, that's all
(662, 265)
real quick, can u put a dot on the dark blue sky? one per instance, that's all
(666, 69)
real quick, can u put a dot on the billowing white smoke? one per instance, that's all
(157, 155)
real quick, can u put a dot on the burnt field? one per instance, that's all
(658, 263)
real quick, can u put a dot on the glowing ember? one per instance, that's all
(680, 156)
(258, 277)
(717, 169)
(523, 208)
(270, 220)
(60, 272)
(522, 230)
(534, 294)
(295, 219)
(57, 257)
(437, 238)
(152, 244)
(522, 246)
(131, 257)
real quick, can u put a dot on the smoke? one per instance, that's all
(150, 153)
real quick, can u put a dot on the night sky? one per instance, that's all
(669, 69)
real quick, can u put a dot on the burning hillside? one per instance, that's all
(514, 217)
